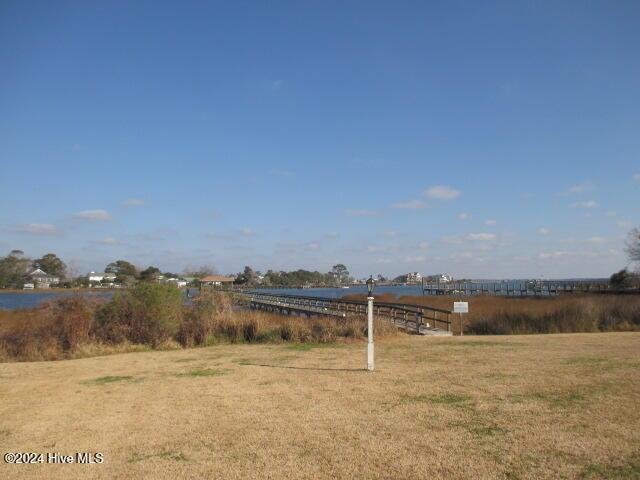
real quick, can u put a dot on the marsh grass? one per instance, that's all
(152, 317)
(495, 315)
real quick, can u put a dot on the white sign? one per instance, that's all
(460, 307)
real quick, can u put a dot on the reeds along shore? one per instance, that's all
(492, 315)
(153, 316)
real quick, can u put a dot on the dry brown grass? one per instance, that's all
(509, 315)
(529, 407)
(74, 327)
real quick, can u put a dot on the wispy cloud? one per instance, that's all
(423, 245)
(37, 229)
(490, 222)
(276, 84)
(362, 212)
(624, 224)
(463, 216)
(133, 202)
(597, 240)
(636, 177)
(93, 215)
(544, 231)
(483, 237)
(411, 205)
(441, 192)
(110, 241)
(247, 232)
(585, 204)
(578, 188)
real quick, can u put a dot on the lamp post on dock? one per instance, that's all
(370, 285)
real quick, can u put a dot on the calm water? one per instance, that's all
(14, 301)
(397, 290)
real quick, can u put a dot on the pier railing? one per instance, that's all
(410, 317)
(523, 289)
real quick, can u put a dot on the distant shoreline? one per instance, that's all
(55, 290)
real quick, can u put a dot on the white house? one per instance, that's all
(99, 276)
(414, 277)
(42, 279)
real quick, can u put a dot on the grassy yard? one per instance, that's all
(547, 406)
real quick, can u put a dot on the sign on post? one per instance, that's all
(460, 307)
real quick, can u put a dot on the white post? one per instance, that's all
(370, 333)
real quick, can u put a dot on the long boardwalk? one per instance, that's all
(413, 318)
(525, 288)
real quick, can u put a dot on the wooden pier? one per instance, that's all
(523, 288)
(413, 318)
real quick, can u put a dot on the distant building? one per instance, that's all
(439, 278)
(178, 282)
(216, 280)
(414, 277)
(28, 286)
(100, 276)
(42, 279)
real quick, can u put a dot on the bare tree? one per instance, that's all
(633, 245)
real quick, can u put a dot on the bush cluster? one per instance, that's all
(155, 315)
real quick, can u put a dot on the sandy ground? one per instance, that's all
(553, 406)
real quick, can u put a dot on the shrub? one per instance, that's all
(148, 313)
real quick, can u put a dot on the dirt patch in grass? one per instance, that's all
(205, 372)
(108, 379)
(165, 455)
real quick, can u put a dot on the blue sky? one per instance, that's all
(482, 139)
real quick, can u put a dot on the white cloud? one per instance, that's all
(544, 231)
(415, 259)
(390, 233)
(597, 240)
(452, 240)
(411, 205)
(93, 215)
(441, 192)
(578, 188)
(586, 204)
(382, 261)
(550, 255)
(362, 212)
(490, 222)
(247, 232)
(133, 202)
(611, 214)
(423, 245)
(312, 246)
(624, 224)
(483, 237)
(109, 241)
(463, 216)
(37, 229)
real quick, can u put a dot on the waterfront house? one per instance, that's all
(100, 276)
(42, 279)
(216, 281)
(414, 277)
